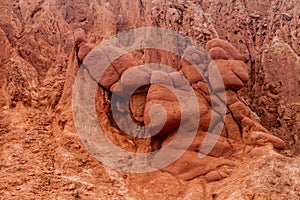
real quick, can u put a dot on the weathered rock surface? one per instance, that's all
(267, 35)
(41, 155)
(218, 164)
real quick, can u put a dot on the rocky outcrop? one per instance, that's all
(264, 32)
(41, 155)
(240, 131)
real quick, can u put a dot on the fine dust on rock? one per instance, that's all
(27, 153)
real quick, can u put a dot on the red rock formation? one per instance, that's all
(41, 155)
(267, 34)
(241, 129)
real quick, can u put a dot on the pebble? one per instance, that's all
(72, 186)
(287, 16)
(90, 187)
(254, 15)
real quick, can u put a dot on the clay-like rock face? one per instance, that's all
(267, 33)
(241, 131)
(41, 154)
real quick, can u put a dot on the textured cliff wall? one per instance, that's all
(41, 155)
(267, 34)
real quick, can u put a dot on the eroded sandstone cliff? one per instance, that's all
(42, 156)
